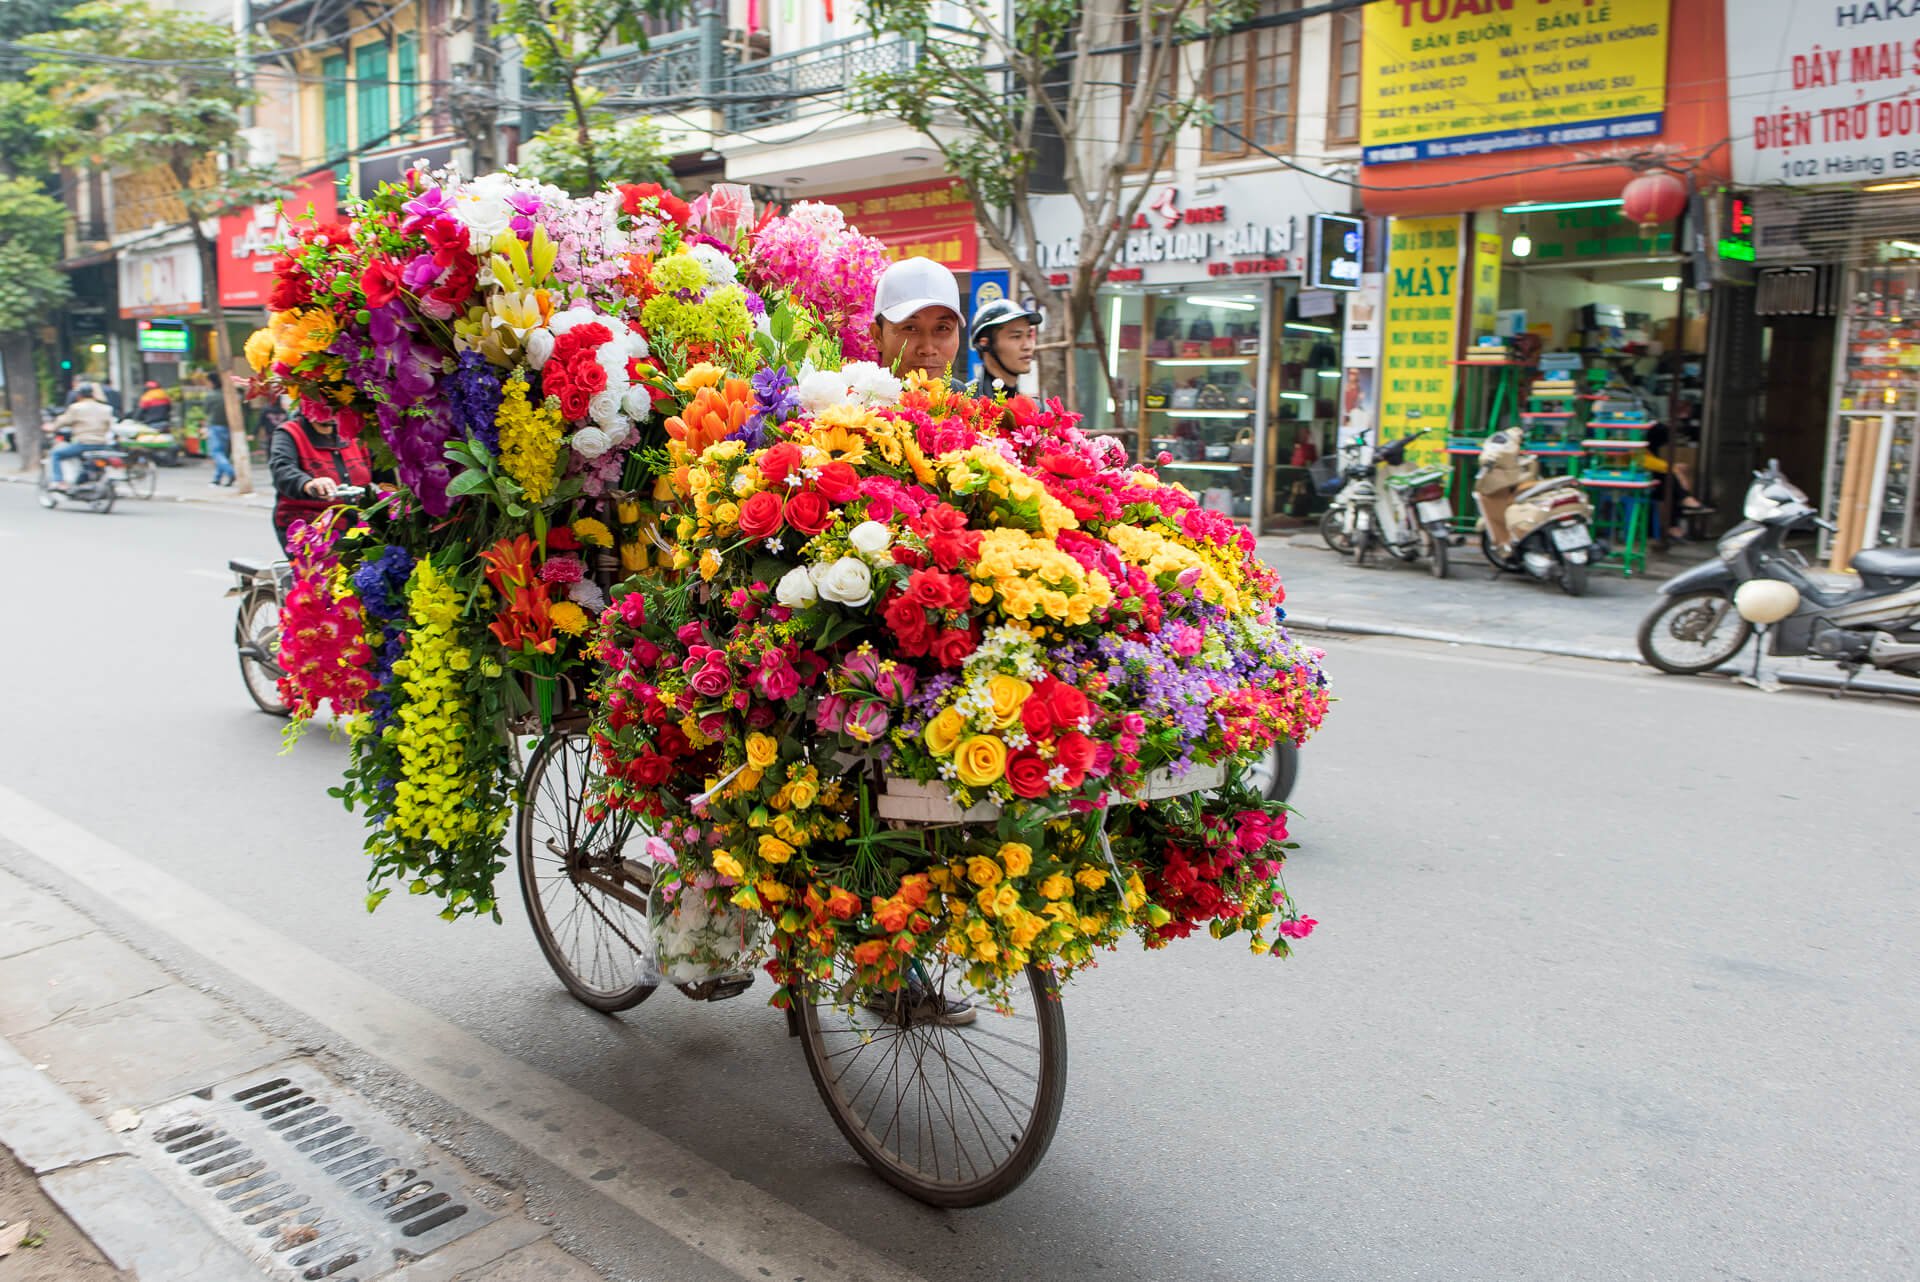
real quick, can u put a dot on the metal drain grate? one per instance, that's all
(310, 1183)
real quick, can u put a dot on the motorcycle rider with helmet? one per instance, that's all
(1004, 333)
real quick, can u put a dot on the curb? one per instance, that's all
(92, 1176)
(1322, 623)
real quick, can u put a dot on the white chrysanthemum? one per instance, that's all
(591, 442)
(872, 384)
(720, 268)
(822, 389)
(587, 593)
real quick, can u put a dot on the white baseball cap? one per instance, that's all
(915, 283)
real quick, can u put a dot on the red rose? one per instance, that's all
(1074, 751)
(575, 401)
(908, 622)
(951, 648)
(650, 769)
(928, 589)
(1036, 716)
(590, 375)
(1027, 775)
(778, 461)
(1067, 704)
(838, 481)
(809, 512)
(760, 515)
(634, 195)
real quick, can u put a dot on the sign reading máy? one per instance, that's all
(1468, 77)
(1824, 93)
(1241, 226)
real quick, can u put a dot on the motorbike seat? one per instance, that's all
(1889, 563)
(1542, 487)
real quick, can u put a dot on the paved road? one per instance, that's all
(1615, 978)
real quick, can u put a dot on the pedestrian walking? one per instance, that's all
(219, 437)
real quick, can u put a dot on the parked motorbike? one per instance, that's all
(1540, 528)
(1708, 613)
(99, 478)
(1406, 516)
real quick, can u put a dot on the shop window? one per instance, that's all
(371, 88)
(406, 57)
(1343, 98)
(1251, 88)
(333, 80)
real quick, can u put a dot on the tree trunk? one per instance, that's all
(223, 361)
(23, 395)
(584, 128)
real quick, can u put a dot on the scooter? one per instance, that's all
(102, 473)
(1407, 516)
(1709, 612)
(1540, 528)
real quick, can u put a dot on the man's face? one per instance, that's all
(1012, 345)
(928, 340)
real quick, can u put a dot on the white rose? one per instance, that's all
(564, 321)
(795, 589)
(539, 344)
(604, 408)
(637, 404)
(637, 346)
(847, 581)
(873, 384)
(870, 539)
(619, 433)
(591, 442)
(821, 389)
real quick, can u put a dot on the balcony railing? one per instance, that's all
(815, 81)
(669, 69)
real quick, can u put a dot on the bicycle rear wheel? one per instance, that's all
(953, 1115)
(593, 939)
(258, 626)
(143, 476)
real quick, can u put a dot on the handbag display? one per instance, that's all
(1241, 397)
(1221, 346)
(1185, 398)
(1241, 451)
(1212, 396)
(1190, 348)
(1157, 395)
(1219, 452)
(1160, 347)
(1201, 331)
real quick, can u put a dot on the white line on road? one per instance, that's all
(726, 1219)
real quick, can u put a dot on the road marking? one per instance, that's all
(728, 1220)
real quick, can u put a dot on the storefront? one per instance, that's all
(1518, 291)
(1211, 347)
(1827, 135)
(160, 290)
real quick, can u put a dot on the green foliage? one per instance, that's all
(171, 97)
(31, 227)
(628, 151)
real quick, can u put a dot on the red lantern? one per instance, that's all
(1653, 198)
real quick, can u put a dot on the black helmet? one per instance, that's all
(999, 312)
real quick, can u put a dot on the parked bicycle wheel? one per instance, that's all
(573, 876)
(143, 476)
(256, 633)
(954, 1114)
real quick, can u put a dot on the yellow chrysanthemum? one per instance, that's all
(569, 618)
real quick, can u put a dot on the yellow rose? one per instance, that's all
(1091, 878)
(1026, 928)
(709, 563)
(977, 931)
(802, 793)
(773, 850)
(727, 513)
(982, 871)
(762, 750)
(727, 866)
(1057, 886)
(773, 892)
(944, 731)
(980, 760)
(987, 951)
(705, 374)
(1009, 695)
(1016, 857)
(1005, 899)
(982, 594)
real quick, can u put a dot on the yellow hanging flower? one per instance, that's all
(529, 441)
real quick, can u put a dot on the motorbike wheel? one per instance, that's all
(1573, 578)
(143, 476)
(1362, 541)
(1486, 550)
(259, 625)
(48, 499)
(1437, 554)
(1333, 532)
(1688, 634)
(103, 500)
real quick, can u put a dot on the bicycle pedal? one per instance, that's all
(717, 989)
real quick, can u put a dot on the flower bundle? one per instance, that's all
(638, 455)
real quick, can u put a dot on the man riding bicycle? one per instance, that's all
(310, 462)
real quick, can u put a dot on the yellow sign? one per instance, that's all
(1486, 282)
(1417, 342)
(1468, 77)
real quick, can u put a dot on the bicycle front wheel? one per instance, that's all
(953, 1114)
(143, 476)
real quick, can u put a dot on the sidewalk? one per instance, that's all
(1474, 605)
(136, 1109)
(185, 484)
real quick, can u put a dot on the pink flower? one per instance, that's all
(633, 609)
(689, 634)
(831, 714)
(895, 684)
(1298, 928)
(713, 679)
(777, 678)
(563, 569)
(868, 721)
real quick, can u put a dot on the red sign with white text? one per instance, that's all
(247, 238)
(928, 220)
